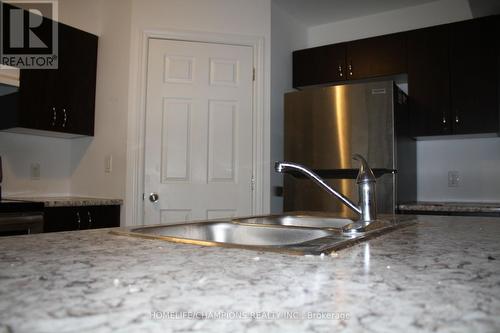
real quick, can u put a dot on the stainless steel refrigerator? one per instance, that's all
(324, 126)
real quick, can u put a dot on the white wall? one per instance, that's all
(287, 35)
(241, 17)
(484, 7)
(18, 151)
(476, 160)
(79, 163)
(76, 166)
(83, 15)
(429, 14)
(109, 19)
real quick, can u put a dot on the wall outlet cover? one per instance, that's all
(35, 171)
(453, 178)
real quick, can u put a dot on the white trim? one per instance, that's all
(135, 161)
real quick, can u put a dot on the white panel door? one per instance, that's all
(198, 142)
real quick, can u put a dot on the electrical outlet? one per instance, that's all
(35, 171)
(108, 164)
(453, 178)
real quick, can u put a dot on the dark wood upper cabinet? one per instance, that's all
(319, 65)
(474, 64)
(378, 56)
(60, 101)
(76, 81)
(35, 96)
(428, 81)
(366, 58)
(453, 73)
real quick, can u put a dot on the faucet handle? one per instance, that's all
(365, 173)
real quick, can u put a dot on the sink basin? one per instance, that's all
(292, 234)
(234, 233)
(298, 221)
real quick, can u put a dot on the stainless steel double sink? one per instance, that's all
(294, 233)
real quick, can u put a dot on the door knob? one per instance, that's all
(153, 197)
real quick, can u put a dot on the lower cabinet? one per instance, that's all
(80, 218)
(437, 213)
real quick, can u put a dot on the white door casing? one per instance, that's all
(199, 135)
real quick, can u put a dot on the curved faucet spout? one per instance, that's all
(282, 167)
(365, 174)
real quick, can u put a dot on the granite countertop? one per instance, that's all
(441, 275)
(70, 201)
(465, 207)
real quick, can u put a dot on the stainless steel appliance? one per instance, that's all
(325, 126)
(20, 217)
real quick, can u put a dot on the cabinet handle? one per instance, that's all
(54, 116)
(340, 71)
(78, 220)
(90, 219)
(65, 118)
(350, 69)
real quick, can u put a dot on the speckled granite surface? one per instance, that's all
(71, 201)
(441, 275)
(467, 207)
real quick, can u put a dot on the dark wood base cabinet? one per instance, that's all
(80, 218)
(425, 212)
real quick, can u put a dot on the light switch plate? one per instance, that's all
(108, 164)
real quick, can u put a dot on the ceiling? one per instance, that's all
(315, 12)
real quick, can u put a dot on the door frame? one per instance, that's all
(136, 156)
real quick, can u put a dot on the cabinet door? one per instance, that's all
(104, 216)
(62, 100)
(319, 65)
(37, 105)
(428, 81)
(81, 218)
(61, 219)
(77, 80)
(37, 93)
(378, 56)
(474, 60)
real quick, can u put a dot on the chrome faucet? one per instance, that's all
(367, 207)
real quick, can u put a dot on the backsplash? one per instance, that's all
(19, 152)
(477, 162)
